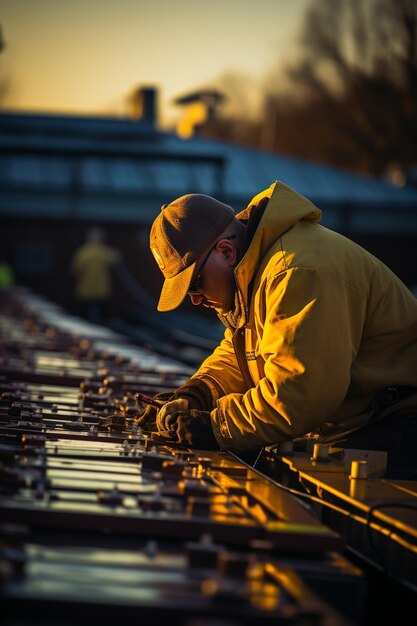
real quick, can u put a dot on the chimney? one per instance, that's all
(144, 103)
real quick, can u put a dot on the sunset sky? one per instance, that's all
(85, 56)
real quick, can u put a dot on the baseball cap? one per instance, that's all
(183, 231)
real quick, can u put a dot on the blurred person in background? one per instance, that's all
(320, 339)
(92, 265)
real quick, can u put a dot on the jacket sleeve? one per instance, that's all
(309, 326)
(220, 371)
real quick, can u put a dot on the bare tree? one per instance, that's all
(351, 99)
(358, 74)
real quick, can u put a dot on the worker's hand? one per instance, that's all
(193, 428)
(193, 394)
(164, 421)
(147, 419)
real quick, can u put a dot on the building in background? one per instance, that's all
(61, 175)
(198, 109)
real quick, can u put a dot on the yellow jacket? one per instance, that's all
(92, 265)
(328, 326)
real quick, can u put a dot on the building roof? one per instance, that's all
(47, 159)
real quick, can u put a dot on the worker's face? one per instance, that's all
(216, 283)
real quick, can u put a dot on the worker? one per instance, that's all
(320, 338)
(92, 265)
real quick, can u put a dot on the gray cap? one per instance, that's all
(180, 235)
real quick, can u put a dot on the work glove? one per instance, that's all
(192, 428)
(173, 407)
(193, 394)
(147, 419)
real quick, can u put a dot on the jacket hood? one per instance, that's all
(285, 208)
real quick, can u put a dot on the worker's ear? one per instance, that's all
(228, 250)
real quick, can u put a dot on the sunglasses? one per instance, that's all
(195, 287)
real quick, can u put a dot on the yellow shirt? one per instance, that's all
(92, 266)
